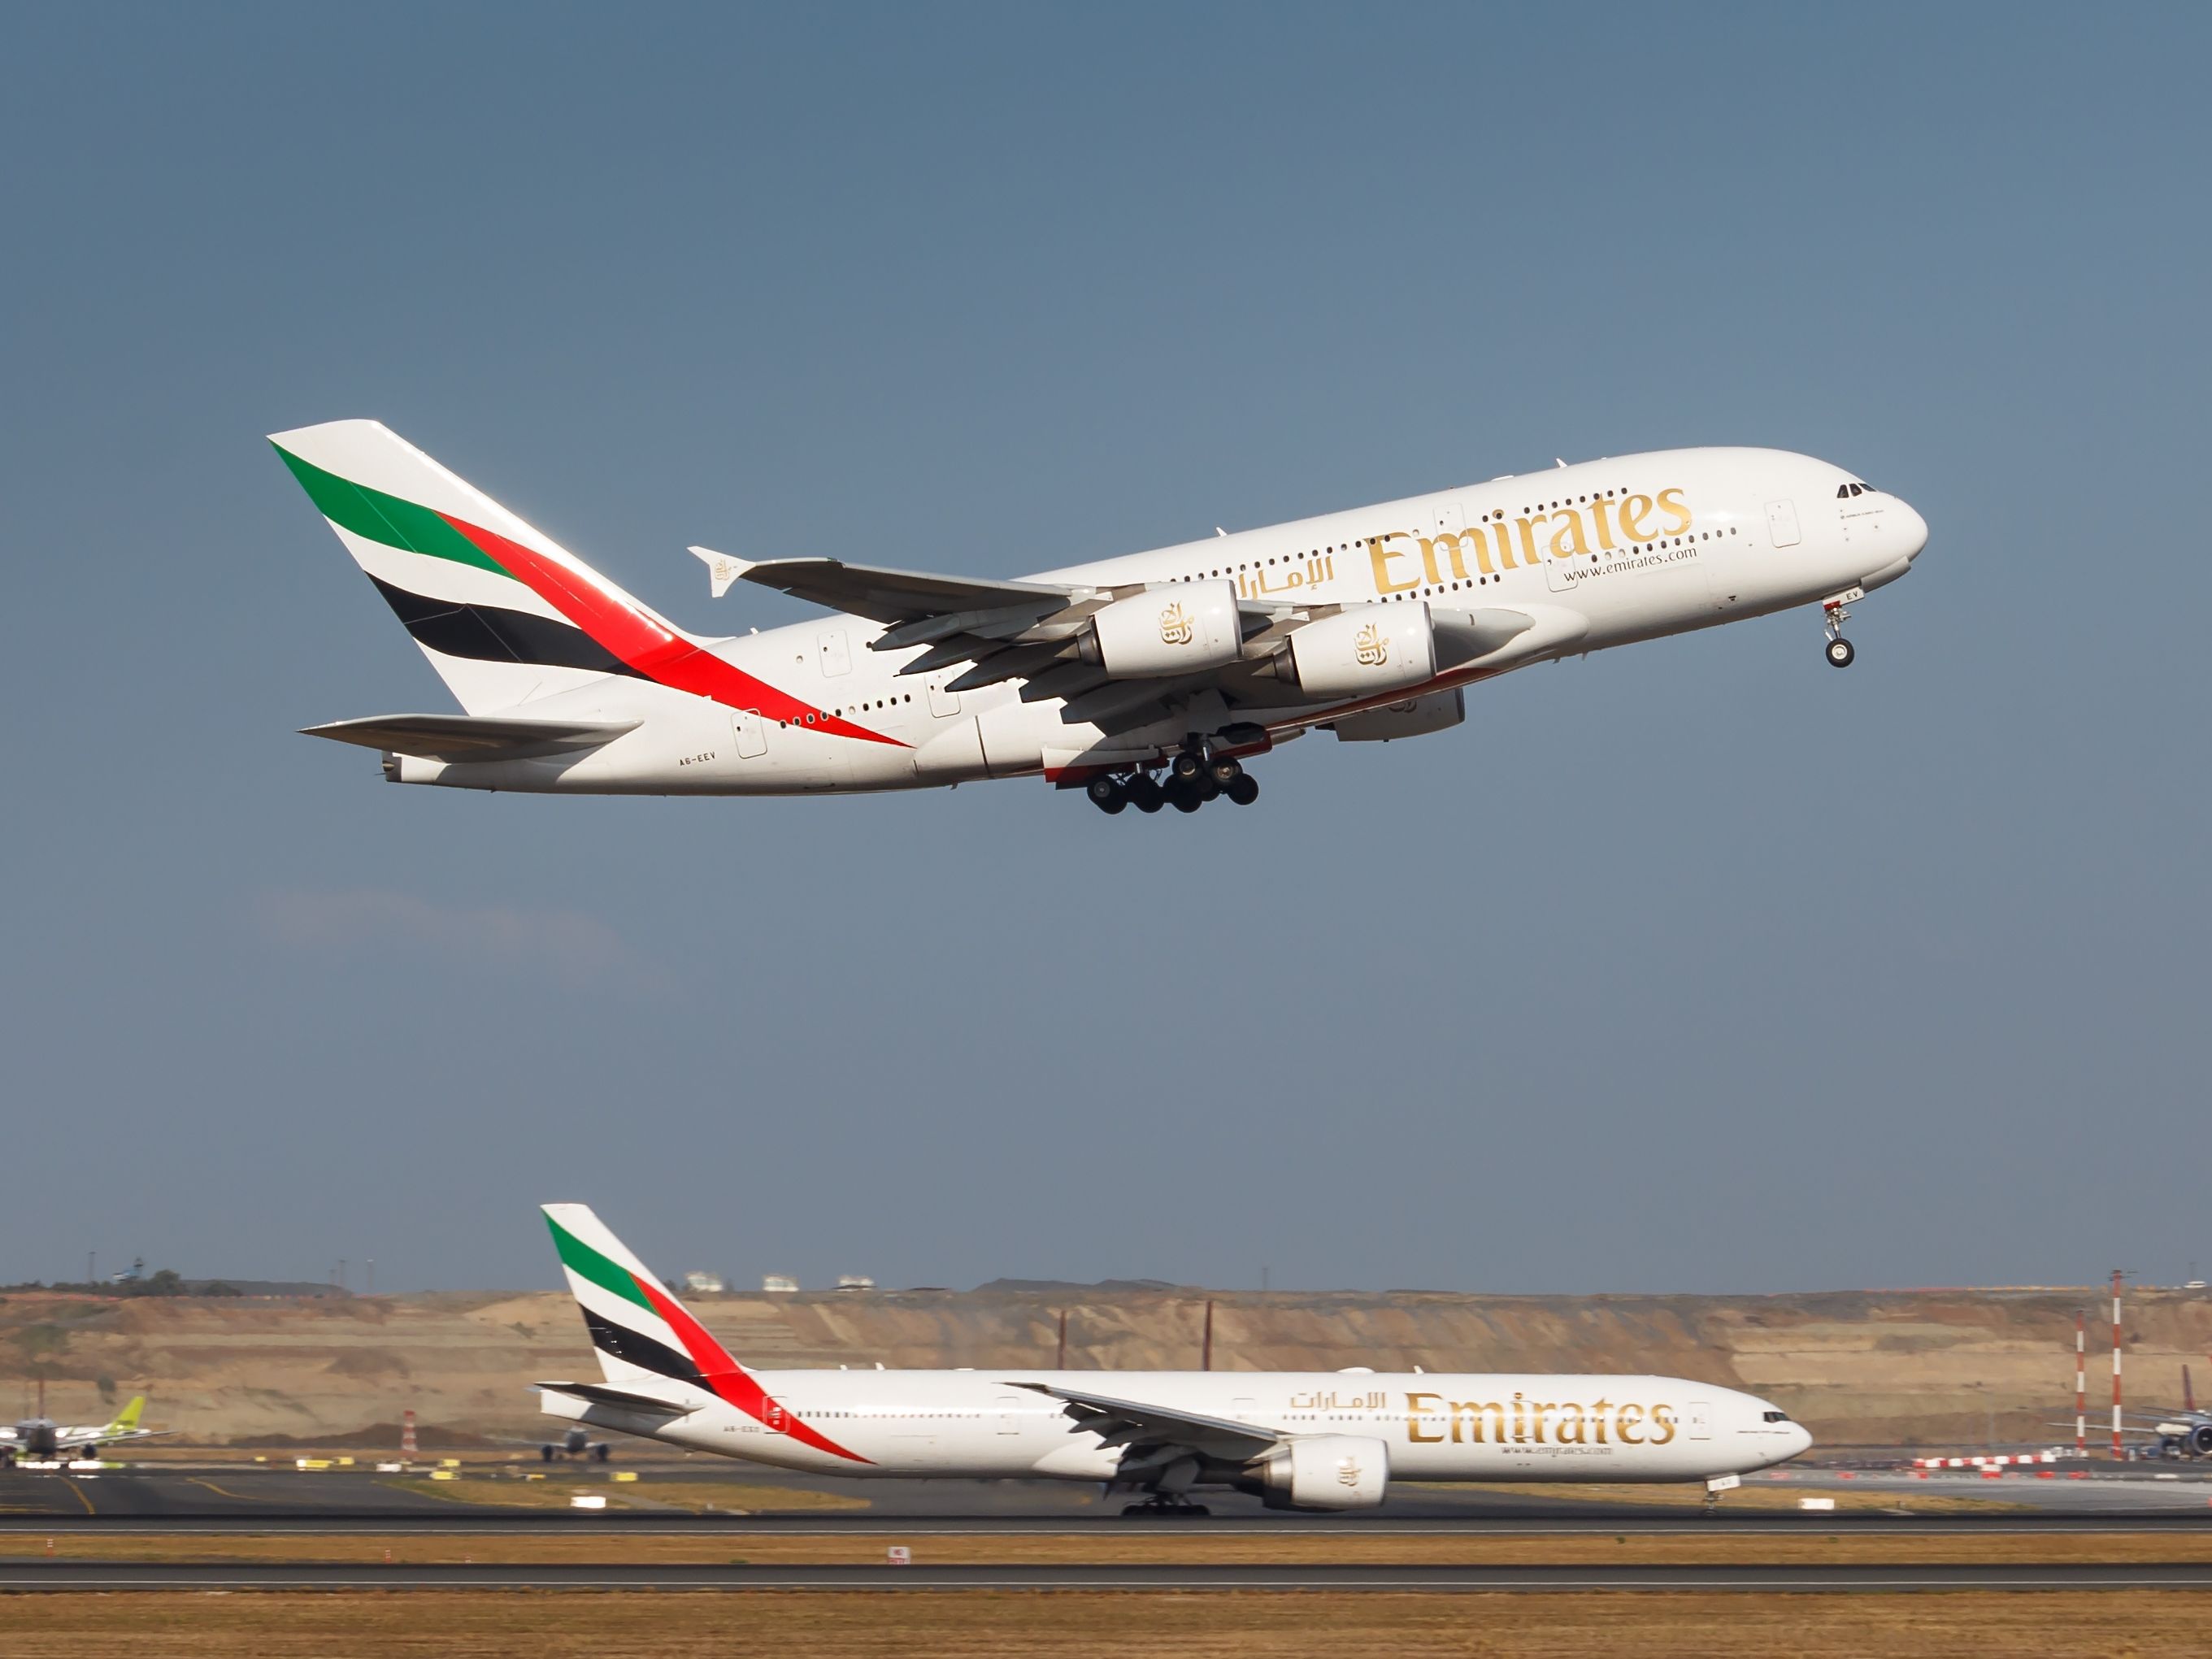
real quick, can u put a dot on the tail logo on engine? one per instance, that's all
(1176, 627)
(1370, 647)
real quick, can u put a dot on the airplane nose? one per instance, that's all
(1915, 529)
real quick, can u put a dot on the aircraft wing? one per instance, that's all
(995, 631)
(1130, 1423)
(471, 737)
(885, 595)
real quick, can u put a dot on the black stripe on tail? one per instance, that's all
(488, 634)
(628, 1347)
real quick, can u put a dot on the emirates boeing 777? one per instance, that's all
(1148, 680)
(1322, 1440)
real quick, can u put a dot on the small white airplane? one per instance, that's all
(1148, 680)
(1324, 1440)
(40, 1438)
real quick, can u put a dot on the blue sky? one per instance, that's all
(1693, 966)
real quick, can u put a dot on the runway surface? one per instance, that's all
(262, 1495)
(50, 1576)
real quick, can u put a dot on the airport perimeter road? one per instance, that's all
(63, 1576)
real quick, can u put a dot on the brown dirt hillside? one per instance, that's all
(1868, 1367)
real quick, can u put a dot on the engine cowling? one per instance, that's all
(2198, 1441)
(1185, 629)
(1362, 650)
(1326, 1471)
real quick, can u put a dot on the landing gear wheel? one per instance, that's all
(1243, 789)
(1225, 771)
(1145, 794)
(1840, 654)
(1164, 1509)
(1187, 766)
(1207, 788)
(1183, 797)
(1106, 795)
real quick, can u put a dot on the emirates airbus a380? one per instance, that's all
(1148, 680)
(1296, 1440)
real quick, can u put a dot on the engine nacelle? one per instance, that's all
(2197, 1441)
(1326, 1471)
(1185, 629)
(1415, 717)
(1362, 650)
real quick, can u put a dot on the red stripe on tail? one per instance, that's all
(731, 1381)
(649, 648)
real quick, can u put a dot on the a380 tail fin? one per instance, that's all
(503, 612)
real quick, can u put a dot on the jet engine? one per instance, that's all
(1184, 629)
(1363, 649)
(2194, 1438)
(1325, 1472)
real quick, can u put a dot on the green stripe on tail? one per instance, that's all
(582, 1259)
(385, 518)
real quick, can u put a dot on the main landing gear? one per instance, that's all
(1192, 780)
(1840, 653)
(1168, 1509)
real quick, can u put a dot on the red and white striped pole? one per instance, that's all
(2117, 1453)
(2081, 1383)
(407, 1436)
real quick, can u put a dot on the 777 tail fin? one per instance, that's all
(644, 1335)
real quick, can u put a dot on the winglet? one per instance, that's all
(722, 568)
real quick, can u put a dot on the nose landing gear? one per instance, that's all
(1837, 612)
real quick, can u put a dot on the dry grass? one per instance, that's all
(916, 1624)
(1135, 1548)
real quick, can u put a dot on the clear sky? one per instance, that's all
(1696, 966)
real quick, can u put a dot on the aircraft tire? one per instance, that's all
(1186, 766)
(1144, 794)
(1183, 797)
(1243, 789)
(1226, 770)
(1106, 795)
(1840, 653)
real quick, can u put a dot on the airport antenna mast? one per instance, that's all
(2081, 1383)
(2118, 1453)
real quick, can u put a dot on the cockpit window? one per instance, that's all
(1776, 1417)
(1845, 491)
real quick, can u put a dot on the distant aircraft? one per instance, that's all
(1325, 1440)
(2183, 1434)
(1148, 680)
(39, 1438)
(576, 1442)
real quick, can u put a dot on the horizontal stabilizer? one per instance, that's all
(471, 737)
(600, 1393)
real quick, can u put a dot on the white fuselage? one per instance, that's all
(1599, 554)
(1434, 1426)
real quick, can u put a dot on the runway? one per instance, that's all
(94, 1576)
(567, 1523)
(259, 1497)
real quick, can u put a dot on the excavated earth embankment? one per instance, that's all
(1939, 1368)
